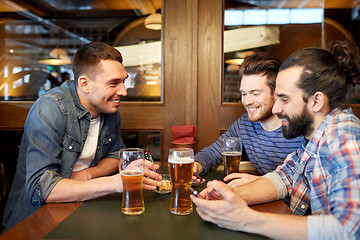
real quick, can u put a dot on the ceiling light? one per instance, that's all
(153, 21)
(237, 58)
(58, 57)
(54, 61)
(235, 61)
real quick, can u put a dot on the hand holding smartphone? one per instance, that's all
(193, 191)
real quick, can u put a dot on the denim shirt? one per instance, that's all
(54, 135)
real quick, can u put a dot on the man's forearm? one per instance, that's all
(105, 167)
(274, 226)
(258, 191)
(69, 190)
(277, 226)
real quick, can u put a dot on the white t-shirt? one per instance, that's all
(89, 150)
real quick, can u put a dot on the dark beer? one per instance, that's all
(132, 200)
(231, 162)
(181, 172)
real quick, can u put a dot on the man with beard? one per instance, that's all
(323, 175)
(259, 130)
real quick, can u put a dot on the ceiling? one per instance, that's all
(32, 28)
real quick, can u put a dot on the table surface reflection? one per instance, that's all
(102, 219)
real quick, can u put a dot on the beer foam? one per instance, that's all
(231, 153)
(131, 173)
(184, 160)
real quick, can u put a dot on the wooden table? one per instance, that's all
(61, 221)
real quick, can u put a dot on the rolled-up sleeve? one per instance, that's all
(280, 186)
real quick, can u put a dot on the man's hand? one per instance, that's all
(151, 178)
(238, 179)
(221, 206)
(197, 170)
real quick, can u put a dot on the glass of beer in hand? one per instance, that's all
(231, 148)
(132, 167)
(181, 168)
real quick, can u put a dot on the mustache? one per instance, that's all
(281, 116)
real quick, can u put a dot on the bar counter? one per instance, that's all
(102, 219)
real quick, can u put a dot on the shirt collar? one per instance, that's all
(82, 111)
(319, 132)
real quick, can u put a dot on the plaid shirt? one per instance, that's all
(324, 173)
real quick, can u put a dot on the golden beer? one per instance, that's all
(231, 162)
(181, 172)
(132, 198)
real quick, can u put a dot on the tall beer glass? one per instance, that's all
(231, 148)
(181, 168)
(132, 167)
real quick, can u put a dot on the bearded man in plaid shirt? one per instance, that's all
(323, 176)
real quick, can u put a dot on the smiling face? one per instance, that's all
(104, 87)
(256, 97)
(290, 105)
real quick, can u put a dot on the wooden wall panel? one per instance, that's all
(179, 38)
(210, 64)
(141, 116)
(13, 115)
(229, 112)
(133, 116)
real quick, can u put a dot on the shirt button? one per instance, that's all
(70, 147)
(303, 206)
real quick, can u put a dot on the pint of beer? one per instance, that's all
(231, 162)
(181, 168)
(231, 154)
(132, 167)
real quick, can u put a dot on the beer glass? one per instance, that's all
(132, 167)
(181, 168)
(231, 148)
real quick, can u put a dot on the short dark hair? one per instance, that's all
(91, 54)
(330, 71)
(262, 63)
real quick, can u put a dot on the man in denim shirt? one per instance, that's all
(322, 176)
(71, 141)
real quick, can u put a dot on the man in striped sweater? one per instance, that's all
(259, 129)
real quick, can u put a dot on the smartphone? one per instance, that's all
(198, 176)
(193, 191)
